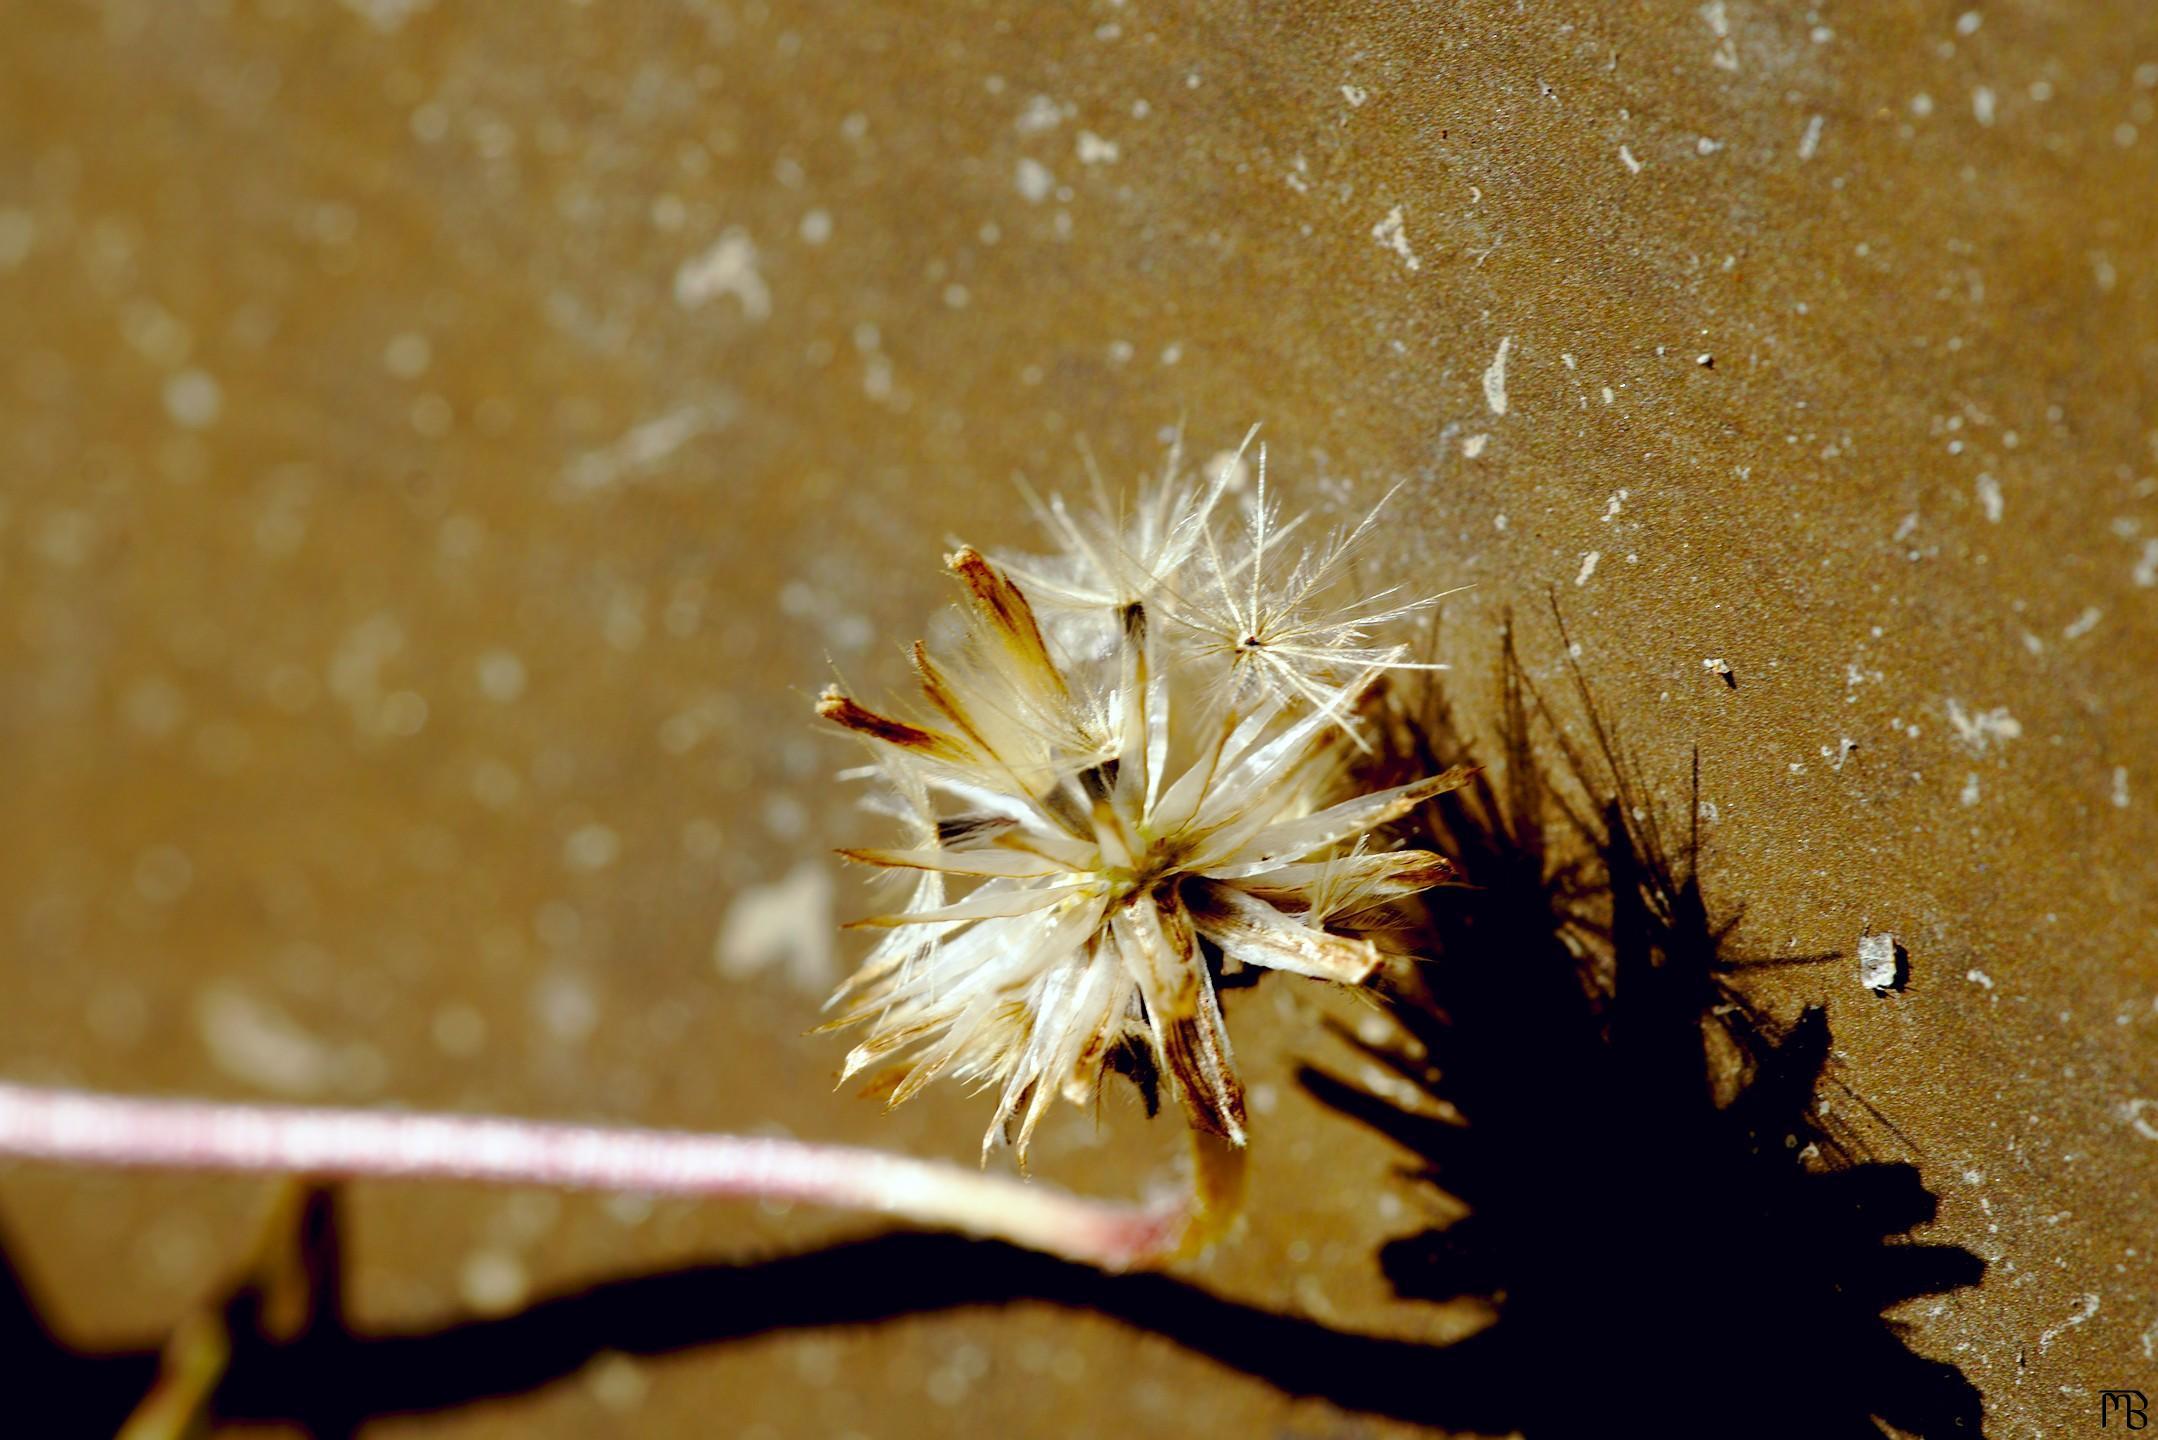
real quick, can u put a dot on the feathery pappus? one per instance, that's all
(1133, 771)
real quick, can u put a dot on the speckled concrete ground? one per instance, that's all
(446, 446)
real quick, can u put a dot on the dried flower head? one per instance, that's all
(1136, 765)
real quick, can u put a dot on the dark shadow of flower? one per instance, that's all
(1679, 1231)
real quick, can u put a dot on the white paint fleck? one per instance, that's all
(1588, 566)
(641, 449)
(1989, 497)
(1356, 95)
(1495, 377)
(1034, 180)
(1987, 727)
(1979, 978)
(193, 398)
(258, 1044)
(1811, 141)
(501, 675)
(460, 1030)
(727, 267)
(1041, 114)
(2083, 624)
(1473, 446)
(408, 355)
(492, 1282)
(2085, 1309)
(2120, 787)
(1982, 104)
(1970, 793)
(1968, 22)
(1094, 150)
(787, 923)
(1633, 166)
(1393, 234)
(2146, 572)
(816, 227)
(2132, 1112)
(591, 847)
(563, 1001)
(1880, 968)
(1230, 468)
(388, 16)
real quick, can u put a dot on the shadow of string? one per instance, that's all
(1675, 1237)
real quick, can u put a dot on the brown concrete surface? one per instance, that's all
(442, 447)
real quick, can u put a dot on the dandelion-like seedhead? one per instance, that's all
(1134, 770)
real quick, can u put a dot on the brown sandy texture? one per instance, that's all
(446, 447)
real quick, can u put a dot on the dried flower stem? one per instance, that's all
(80, 1127)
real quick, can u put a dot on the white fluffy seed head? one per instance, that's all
(1133, 769)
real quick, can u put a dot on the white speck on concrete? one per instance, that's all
(787, 923)
(408, 355)
(591, 847)
(258, 1044)
(2120, 787)
(642, 448)
(1880, 968)
(492, 1282)
(1230, 468)
(617, 1381)
(388, 16)
(1034, 180)
(1094, 150)
(1982, 104)
(1979, 978)
(1495, 377)
(193, 398)
(1041, 114)
(1969, 794)
(1473, 446)
(1356, 95)
(2146, 573)
(2133, 1112)
(563, 1002)
(1393, 234)
(816, 227)
(1989, 497)
(1986, 728)
(1588, 566)
(501, 676)
(1633, 166)
(2085, 1309)
(2083, 624)
(1810, 142)
(727, 267)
